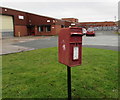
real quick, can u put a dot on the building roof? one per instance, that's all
(32, 13)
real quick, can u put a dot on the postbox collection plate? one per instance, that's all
(75, 53)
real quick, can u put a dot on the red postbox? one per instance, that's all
(70, 46)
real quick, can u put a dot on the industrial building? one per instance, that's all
(74, 20)
(105, 26)
(98, 26)
(19, 23)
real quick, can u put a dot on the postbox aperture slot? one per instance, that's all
(76, 34)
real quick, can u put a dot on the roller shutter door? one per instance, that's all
(6, 26)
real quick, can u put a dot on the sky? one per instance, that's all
(84, 10)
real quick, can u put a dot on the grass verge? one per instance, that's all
(37, 74)
(117, 33)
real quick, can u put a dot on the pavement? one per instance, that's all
(103, 39)
(7, 44)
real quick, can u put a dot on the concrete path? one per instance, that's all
(105, 40)
(102, 38)
(7, 44)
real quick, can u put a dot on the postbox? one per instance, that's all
(70, 46)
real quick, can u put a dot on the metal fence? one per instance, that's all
(106, 28)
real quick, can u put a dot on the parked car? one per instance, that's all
(90, 32)
(84, 31)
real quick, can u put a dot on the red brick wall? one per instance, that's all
(94, 24)
(20, 30)
(57, 29)
(20, 25)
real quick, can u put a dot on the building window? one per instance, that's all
(62, 26)
(40, 28)
(48, 28)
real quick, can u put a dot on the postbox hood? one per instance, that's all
(76, 31)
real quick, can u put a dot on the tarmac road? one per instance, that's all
(103, 39)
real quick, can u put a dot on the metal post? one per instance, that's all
(69, 82)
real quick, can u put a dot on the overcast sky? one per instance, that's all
(84, 10)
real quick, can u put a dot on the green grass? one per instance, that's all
(116, 32)
(37, 74)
